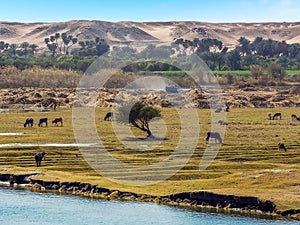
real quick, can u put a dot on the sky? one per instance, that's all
(151, 10)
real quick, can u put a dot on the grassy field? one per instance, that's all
(248, 162)
(247, 72)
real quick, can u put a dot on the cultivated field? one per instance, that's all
(248, 162)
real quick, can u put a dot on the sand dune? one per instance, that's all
(126, 32)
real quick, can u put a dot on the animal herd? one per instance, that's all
(209, 135)
(58, 121)
(278, 116)
(43, 122)
(218, 138)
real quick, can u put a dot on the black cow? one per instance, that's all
(221, 122)
(43, 120)
(281, 146)
(39, 157)
(295, 118)
(108, 116)
(227, 108)
(214, 135)
(57, 120)
(28, 122)
(277, 115)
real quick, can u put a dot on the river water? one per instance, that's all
(25, 207)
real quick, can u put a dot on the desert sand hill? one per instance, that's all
(127, 32)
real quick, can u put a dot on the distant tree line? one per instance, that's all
(62, 51)
(68, 53)
(259, 52)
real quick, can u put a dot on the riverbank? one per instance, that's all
(247, 164)
(199, 200)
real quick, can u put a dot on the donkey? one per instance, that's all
(57, 120)
(39, 157)
(214, 135)
(219, 109)
(43, 120)
(277, 115)
(221, 122)
(28, 122)
(227, 108)
(269, 116)
(108, 116)
(281, 146)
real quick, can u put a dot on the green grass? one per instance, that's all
(248, 162)
(293, 72)
(178, 73)
(232, 72)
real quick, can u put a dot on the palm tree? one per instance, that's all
(82, 44)
(33, 48)
(52, 47)
(73, 42)
(97, 40)
(25, 46)
(13, 49)
(57, 36)
(244, 45)
(47, 40)
(2, 44)
(52, 38)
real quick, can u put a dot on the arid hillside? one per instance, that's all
(127, 32)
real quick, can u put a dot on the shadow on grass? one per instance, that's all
(152, 138)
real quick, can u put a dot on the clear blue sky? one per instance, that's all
(151, 10)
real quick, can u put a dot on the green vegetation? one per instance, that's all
(259, 52)
(65, 52)
(232, 72)
(248, 162)
(267, 60)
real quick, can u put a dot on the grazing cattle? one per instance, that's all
(218, 110)
(39, 157)
(57, 120)
(28, 122)
(295, 118)
(214, 135)
(108, 116)
(277, 115)
(221, 122)
(43, 120)
(227, 108)
(269, 116)
(281, 147)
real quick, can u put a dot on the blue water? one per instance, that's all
(24, 207)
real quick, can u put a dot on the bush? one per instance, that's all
(277, 72)
(256, 71)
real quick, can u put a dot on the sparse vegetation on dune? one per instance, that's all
(248, 162)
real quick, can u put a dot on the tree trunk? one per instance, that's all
(149, 133)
